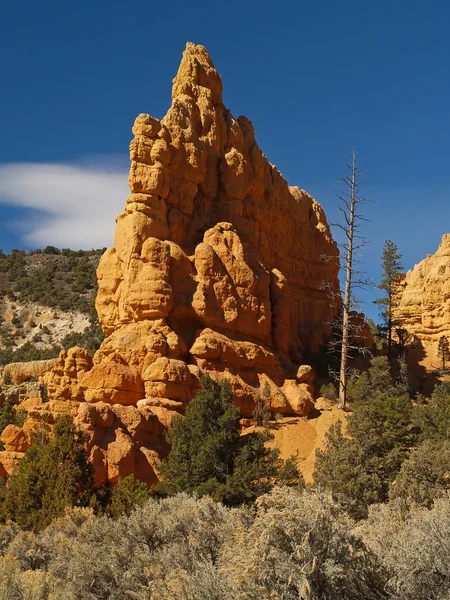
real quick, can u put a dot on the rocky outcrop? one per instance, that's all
(218, 266)
(63, 380)
(423, 303)
(16, 393)
(123, 440)
(218, 263)
(24, 371)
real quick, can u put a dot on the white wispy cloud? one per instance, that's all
(76, 204)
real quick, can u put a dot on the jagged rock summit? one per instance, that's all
(217, 263)
(423, 306)
(218, 266)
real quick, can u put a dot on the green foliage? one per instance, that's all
(28, 352)
(209, 456)
(126, 496)
(43, 392)
(9, 416)
(261, 413)
(382, 424)
(365, 386)
(329, 391)
(433, 419)
(403, 377)
(53, 475)
(443, 350)
(205, 442)
(425, 475)
(377, 333)
(20, 416)
(392, 267)
(359, 467)
(288, 473)
(342, 469)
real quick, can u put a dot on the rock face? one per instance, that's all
(424, 301)
(218, 266)
(23, 371)
(63, 380)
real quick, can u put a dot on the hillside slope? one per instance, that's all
(47, 302)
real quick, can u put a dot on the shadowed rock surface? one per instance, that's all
(423, 307)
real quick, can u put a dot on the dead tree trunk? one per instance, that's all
(348, 289)
(350, 204)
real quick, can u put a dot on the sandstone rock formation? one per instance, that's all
(423, 306)
(122, 440)
(62, 380)
(217, 263)
(23, 371)
(16, 393)
(218, 266)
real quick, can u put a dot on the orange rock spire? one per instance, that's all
(218, 265)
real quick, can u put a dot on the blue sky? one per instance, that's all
(316, 79)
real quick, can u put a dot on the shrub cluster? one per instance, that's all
(209, 456)
(231, 520)
(392, 447)
(293, 544)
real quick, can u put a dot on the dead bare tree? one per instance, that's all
(350, 207)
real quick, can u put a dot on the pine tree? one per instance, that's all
(359, 467)
(53, 475)
(126, 496)
(392, 268)
(209, 456)
(443, 350)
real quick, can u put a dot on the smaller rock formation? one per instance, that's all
(24, 371)
(423, 305)
(63, 378)
(122, 440)
(15, 438)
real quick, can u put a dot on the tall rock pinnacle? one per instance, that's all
(218, 266)
(217, 262)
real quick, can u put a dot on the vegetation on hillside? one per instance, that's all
(55, 475)
(59, 279)
(392, 447)
(64, 279)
